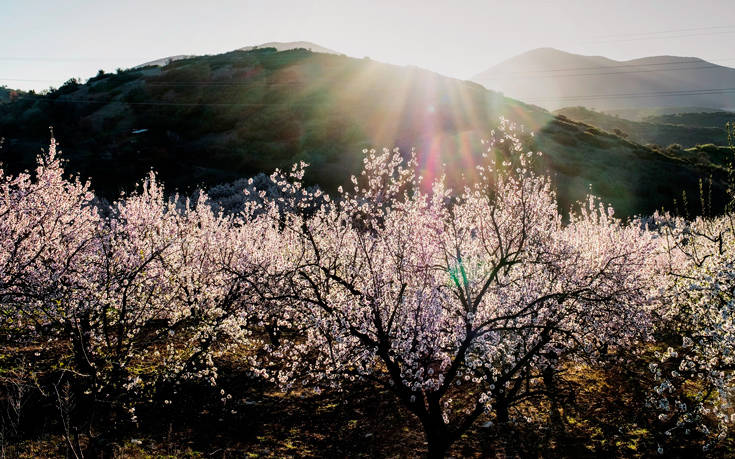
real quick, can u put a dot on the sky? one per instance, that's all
(43, 43)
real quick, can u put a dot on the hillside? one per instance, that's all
(642, 114)
(660, 133)
(7, 94)
(277, 45)
(695, 119)
(213, 119)
(166, 60)
(554, 79)
(289, 45)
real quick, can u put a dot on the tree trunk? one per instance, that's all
(437, 436)
(501, 410)
(438, 445)
(557, 422)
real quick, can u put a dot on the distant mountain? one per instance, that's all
(554, 79)
(214, 119)
(278, 45)
(656, 130)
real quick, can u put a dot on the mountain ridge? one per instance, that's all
(215, 119)
(278, 45)
(289, 45)
(555, 79)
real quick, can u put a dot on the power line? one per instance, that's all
(27, 79)
(635, 35)
(642, 94)
(701, 67)
(68, 59)
(670, 31)
(691, 92)
(154, 103)
(222, 83)
(621, 65)
(181, 83)
(660, 38)
(500, 76)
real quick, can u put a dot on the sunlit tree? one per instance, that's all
(458, 302)
(694, 374)
(463, 304)
(140, 293)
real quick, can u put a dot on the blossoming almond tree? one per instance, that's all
(461, 303)
(458, 303)
(144, 294)
(47, 228)
(694, 376)
(159, 285)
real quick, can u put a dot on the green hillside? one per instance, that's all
(658, 132)
(212, 119)
(640, 114)
(703, 119)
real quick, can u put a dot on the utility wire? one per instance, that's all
(694, 92)
(693, 29)
(499, 76)
(621, 65)
(691, 92)
(608, 70)
(27, 79)
(152, 103)
(634, 36)
(505, 76)
(667, 37)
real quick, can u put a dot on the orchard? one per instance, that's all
(468, 306)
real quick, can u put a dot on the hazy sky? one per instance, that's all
(52, 41)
